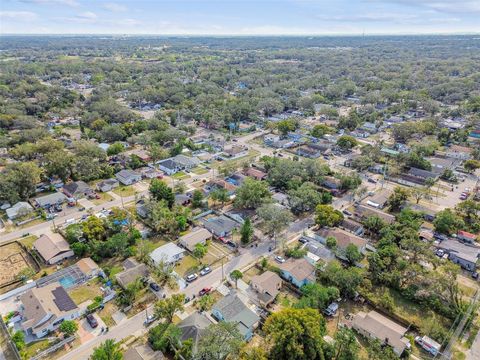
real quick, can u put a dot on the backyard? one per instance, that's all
(104, 197)
(87, 291)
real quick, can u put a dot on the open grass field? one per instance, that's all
(180, 176)
(104, 197)
(199, 170)
(186, 265)
(124, 191)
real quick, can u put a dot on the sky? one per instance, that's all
(239, 17)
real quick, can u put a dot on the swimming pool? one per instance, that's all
(67, 282)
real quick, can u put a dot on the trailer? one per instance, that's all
(428, 344)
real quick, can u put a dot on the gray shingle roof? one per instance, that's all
(234, 310)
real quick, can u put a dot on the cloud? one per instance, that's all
(18, 15)
(448, 6)
(114, 7)
(72, 3)
(88, 15)
(368, 18)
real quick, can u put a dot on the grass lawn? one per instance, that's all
(28, 241)
(252, 154)
(180, 175)
(33, 349)
(104, 197)
(187, 264)
(124, 191)
(107, 312)
(199, 170)
(85, 292)
(253, 271)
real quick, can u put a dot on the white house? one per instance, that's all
(128, 177)
(169, 253)
(53, 248)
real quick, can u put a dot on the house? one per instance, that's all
(177, 163)
(150, 173)
(196, 236)
(378, 200)
(182, 199)
(369, 127)
(77, 189)
(236, 179)
(344, 238)
(89, 268)
(440, 164)
(169, 253)
(466, 236)
(352, 226)
(236, 152)
(363, 212)
(465, 255)
(310, 151)
(429, 214)
(128, 177)
(217, 184)
(193, 327)
(44, 309)
(53, 248)
(132, 270)
(142, 352)
(232, 309)
(299, 272)
(376, 326)
(140, 153)
(332, 184)
(256, 174)
(107, 185)
(459, 152)
(20, 209)
(46, 201)
(267, 285)
(220, 226)
(421, 174)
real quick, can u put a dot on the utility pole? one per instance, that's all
(223, 274)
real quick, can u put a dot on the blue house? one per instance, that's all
(232, 309)
(299, 272)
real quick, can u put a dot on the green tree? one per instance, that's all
(205, 302)
(316, 296)
(219, 341)
(352, 254)
(108, 350)
(94, 228)
(18, 339)
(471, 165)
(115, 148)
(246, 232)
(346, 142)
(165, 337)
(200, 250)
(251, 194)
(68, 327)
(397, 199)
(319, 130)
(326, 215)
(447, 222)
(18, 181)
(73, 233)
(331, 242)
(286, 126)
(275, 219)
(236, 275)
(346, 345)
(220, 195)
(296, 334)
(305, 198)
(197, 199)
(159, 190)
(166, 308)
(373, 225)
(163, 273)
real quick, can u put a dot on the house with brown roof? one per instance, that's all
(88, 267)
(459, 152)
(344, 239)
(236, 152)
(44, 309)
(196, 236)
(132, 271)
(53, 248)
(267, 285)
(376, 326)
(299, 272)
(256, 174)
(364, 212)
(142, 352)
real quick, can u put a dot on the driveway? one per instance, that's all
(86, 332)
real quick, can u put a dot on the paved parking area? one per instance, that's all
(86, 332)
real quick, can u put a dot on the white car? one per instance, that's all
(191, 277)
(205, 271)
(279, 259)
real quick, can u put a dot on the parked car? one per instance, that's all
(372, 180)
(81, 209)
(440, 252)
(475, 275)
(204, 291)
(205, 271)
(279, 259)
(346, 212)
(150, 319)
(191, 277)
(231, 244)
(303, 240)
(92, 321)
(154, 286)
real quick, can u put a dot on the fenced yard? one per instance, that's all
(15, 261)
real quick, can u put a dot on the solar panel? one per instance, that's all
(62, 300)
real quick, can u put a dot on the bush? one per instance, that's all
(19, 340)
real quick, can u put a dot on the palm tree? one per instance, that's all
(236, 275)
(107, 351)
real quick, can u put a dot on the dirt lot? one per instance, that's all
(13, 261)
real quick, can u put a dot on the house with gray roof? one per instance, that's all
(196, 236)
(128, 177)
(77, 189)
(107, 185)
(220, 226)
(177, 163)
(169, 253)
(46, 201)
(232, 309)
(132, 271)
(193, 327)
(463, 254)
(20, 209)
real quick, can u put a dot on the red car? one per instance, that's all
(204, 291)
